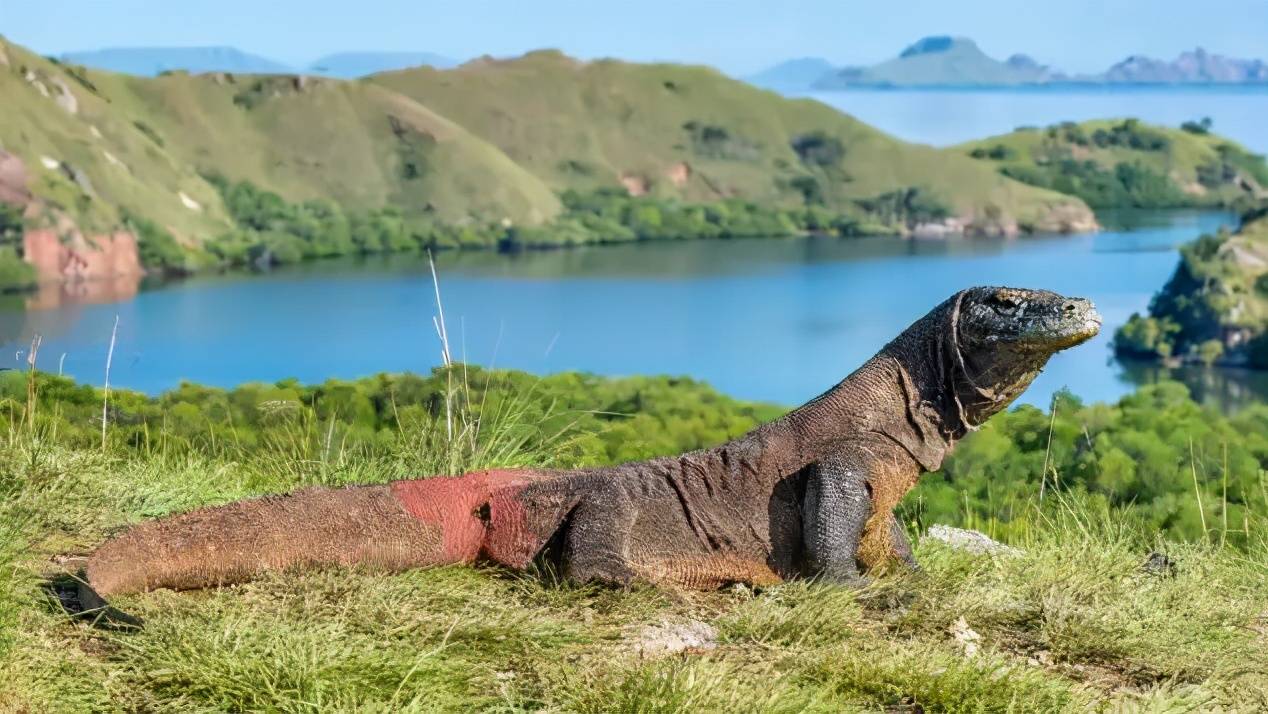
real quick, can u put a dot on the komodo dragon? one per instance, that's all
(809, 493)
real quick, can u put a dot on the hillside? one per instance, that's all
(1119, 163)
(691, 133)
(153, 61)
(1214, 309)
(939, 61)
(478, 156)
(1091, 610)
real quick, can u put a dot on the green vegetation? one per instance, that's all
(1114, 164)
(1201, 126)
(1214, 309)
(1072, 623)
(1142, 459)
(15, 273)
(271, 231)
(477, 156)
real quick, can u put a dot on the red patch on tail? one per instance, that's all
(477, 514)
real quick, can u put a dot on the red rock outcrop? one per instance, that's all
(104, 256)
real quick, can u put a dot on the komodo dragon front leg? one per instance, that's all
(848, 517)
(837, 506)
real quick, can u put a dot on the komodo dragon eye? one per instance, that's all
(1003, 303)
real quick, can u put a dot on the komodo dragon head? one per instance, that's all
(1002, 337)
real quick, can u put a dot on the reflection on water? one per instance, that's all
(777, 320)
(1227, 389)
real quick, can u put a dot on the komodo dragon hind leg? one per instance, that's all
(837, 507)
(597, 544)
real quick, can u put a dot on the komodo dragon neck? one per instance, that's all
(909, 393)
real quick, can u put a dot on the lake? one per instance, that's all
(778, 320)
(943, 117)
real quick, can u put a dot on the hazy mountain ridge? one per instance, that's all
(1195, 67)
(154, 61)
(945, 61)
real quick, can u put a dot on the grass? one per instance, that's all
(1071, 624)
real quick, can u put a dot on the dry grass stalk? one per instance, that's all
(105, 390)
(31, 357)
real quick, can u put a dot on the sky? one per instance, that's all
(737, 36)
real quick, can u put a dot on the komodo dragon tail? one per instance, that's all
(392, 527)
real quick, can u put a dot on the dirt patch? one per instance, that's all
(635, 184)
(13, 180)
(65, 98)
(679, 174)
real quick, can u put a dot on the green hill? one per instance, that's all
(141, 141)
(692, 133)
(476, 156)
(1118, 163)
(1215, 307)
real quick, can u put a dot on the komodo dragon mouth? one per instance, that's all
(811, 493)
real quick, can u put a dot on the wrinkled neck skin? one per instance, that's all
(924, 391)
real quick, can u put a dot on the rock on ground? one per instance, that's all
(669, 638)
(969, 541)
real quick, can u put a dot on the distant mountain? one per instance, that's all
(350, 65)
(1196, 67)
(152, 61)
(793, 75)
(940, 61)
(943, 61)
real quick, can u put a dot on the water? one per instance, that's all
(945, 117)
(776, 320)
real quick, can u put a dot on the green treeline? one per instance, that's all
(608, 420)
(272, 231)
(1125, 185)
(1173, 465)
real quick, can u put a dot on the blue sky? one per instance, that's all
(735, 35)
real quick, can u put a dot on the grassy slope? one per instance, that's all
(487, 141)
(34, 126)
(581, 125)
(332, 139)
(1179, 161)
(1072, 623)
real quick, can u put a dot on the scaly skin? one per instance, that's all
(810, 493)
